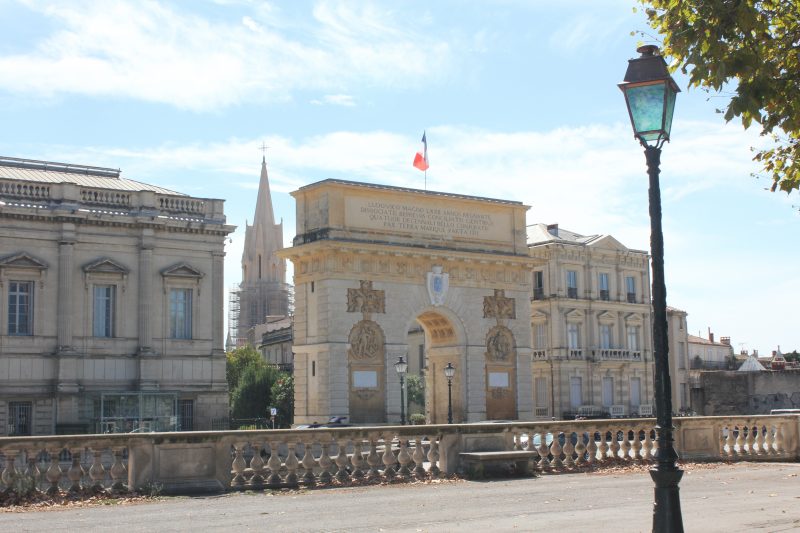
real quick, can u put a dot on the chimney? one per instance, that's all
(725, 340)
(710, 336)
(552, 229)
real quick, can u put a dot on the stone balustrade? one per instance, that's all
(218, 461)
(113, 201)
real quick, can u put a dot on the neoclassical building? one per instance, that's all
(112, 303)
(591, 325)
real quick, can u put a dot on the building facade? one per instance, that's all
(263, 291)
(112, 296)
(591, 325)
(678, 340)
(709, 354)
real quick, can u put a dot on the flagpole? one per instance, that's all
(426, 180)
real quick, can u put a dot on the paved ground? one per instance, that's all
(741, 497)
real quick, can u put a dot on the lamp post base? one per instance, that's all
(667, 516)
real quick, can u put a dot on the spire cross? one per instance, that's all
(263, 149)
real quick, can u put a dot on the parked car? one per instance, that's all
(333, 422)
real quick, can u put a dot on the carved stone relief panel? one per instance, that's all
(366, 341)
(365, 299)
(498, 306)
(500, 343)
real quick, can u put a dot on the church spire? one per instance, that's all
(264, 214)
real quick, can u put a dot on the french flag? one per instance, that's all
(421, 159)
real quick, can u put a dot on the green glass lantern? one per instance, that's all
(650, 95)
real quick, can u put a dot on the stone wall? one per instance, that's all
(750, 393)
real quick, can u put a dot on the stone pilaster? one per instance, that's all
(217, 296)
(145, 294)
(63, 312)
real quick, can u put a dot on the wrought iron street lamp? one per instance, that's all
(449, 372)
(402, 367)
(650, 94)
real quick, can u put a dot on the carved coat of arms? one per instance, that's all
(438, 283)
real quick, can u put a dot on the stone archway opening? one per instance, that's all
(440, 344)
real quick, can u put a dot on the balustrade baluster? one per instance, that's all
(729, 441)
(257, 467)
(555, 451)
(625, 445)
(580, 449)
(647, 446)
(749, 439)
(740, 440)
(325, 464)
(342, 461)
(591, 447)
(274, 464)
(389, 460)
(10, 470)
(544, 452)
(357, 460)
(768, 440)
(404, 458)
(118, 472)
(373, 460)
(569, 448)
(238, 466)
(308, 464)
(32, 472)
(54, 472)
(75, 472)
(614, 446)
(291, 465)
(759, 439)
(636, 446)
(97, 472)
(419, 459)
(433, 456)
(603, 448)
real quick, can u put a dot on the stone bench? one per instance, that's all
(474, 463)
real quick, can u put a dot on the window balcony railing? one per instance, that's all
(575, 353)
(538, 293)
(604, 294)
(572, 292)
(631, 297)
(540, 354)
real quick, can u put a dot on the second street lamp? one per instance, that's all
(402, 367)
(650, 95)
(449, 372)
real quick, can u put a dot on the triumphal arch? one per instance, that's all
(372, 262)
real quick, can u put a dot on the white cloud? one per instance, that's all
(345, 100)
(154, 52)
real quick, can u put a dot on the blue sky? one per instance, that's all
(518, 98)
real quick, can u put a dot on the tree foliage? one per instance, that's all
(415, 385)
(252, 396)
(237, 361)
(754, 45)
(282, 393)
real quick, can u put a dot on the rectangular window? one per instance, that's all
(681, 355)
(572, 284)
(636, 392)
(103, 318)
(633, 338)
(538, 285)
(180, 313)
(186, 414)
(421, 358)
(605, 337)
(20, 308)
(602, 281)
(19, 418)
(573, 336)
(541, 336)
(630, 285)
(575, 392)
(541, 392)
(608, 391)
